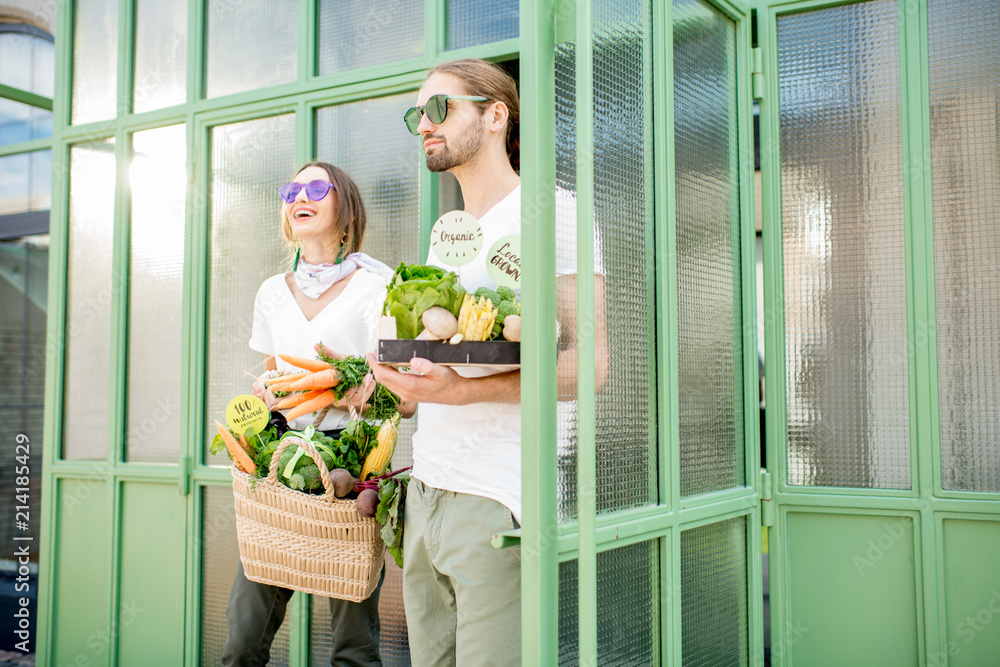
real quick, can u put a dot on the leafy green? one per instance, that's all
(414, 289)
(381, 404)
(391, 507)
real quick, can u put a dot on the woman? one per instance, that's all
(332, 296)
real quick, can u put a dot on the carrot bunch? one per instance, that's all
(309, 390)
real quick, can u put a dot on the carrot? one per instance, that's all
(308, 364)
(240, 456)
(296, 399)
(318, 380)
(318, 403)
(285, 378)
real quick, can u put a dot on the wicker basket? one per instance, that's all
(309, 543)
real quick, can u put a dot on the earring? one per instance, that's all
(298, 252)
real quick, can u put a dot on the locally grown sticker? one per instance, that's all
(247, 412)
(503, 263)
(456, 238)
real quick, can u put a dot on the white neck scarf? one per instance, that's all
(314, 279)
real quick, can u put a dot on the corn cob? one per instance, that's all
(378, 459)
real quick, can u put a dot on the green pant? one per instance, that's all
(462, 596)
(255, 613)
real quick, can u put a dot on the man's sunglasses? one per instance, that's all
(436, 110)
(315, 190)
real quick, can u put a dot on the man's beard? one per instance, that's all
(466, 146)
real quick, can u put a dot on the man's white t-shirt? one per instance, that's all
(476, 449)
(348, 324)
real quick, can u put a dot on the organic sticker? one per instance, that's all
(503, 263)
(247, 412)
(456, 238)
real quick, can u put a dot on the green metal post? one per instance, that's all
(587, 405)
(540, 572)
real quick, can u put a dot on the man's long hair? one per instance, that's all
(485, 79)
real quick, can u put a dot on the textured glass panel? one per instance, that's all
(628, 627)
(569, 635)
(843, 247)
(250, 45)
(220, 555)
(566, 410)
(393, 644)
(158, 179)
(160, 54)
(90, 288)
(95, 60)
(964, 78)
(709, 297)
(471, 22)
(714, 616)
(623, 193)
(249, 161)
(357, 33)
(384, 160)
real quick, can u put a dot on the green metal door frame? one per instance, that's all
(546, 543)
(925, 502)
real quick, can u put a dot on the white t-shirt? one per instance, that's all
(476, 449)
(348, 324)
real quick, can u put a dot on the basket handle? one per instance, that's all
(324, 474)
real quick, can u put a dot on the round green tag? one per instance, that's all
(504, 261)
(456, 238)
(245, 412)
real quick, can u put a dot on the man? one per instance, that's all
(462, 596)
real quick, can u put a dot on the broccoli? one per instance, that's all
(506, 293)
(489, 294)
(505, 308)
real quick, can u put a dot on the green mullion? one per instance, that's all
(649, 128)
(126, 56)
(586, 475)
(196, 275)
(26, 147)
(25, 97)
(372, 73)
(774, 353)
(118, 417)
(306, 40)
(747, 235)
(663, 214)
(195, 51)
(193, 581)
(539, 567)
(189, 375)
(924, 435)
(434, 28)
(751, 422)
(197, 47)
